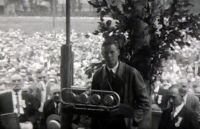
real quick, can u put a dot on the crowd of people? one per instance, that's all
(43, 7)
(180, 107)
(35, 61)
(34, 7)
(30, 99)
(32, 72)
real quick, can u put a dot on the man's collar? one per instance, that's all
(119, 72)
(185, 98)
(114, 69)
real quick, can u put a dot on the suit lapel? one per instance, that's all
(119, 73)
(105, 83)
(120, 70)
(181, 113)
(179, 118)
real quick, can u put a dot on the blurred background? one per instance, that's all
(46, 15)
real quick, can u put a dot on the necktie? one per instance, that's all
(111, 79)
(111, 76)
(57, 108)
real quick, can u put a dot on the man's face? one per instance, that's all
(110, 54)
(17, 82)
(56, 96)
(175, 98)
(183, 90)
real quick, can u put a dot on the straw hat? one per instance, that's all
(54, 89)
(53, 122)
(16, 77)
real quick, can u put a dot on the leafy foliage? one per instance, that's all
(146, 30)
(176, 24)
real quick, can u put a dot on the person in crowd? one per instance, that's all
(177, 116)
(16, 81)
(26, 104)
(161, 98)
(50, 83)
(191, 101)
(127, 82)
(31, 108)
(41, 84)
(3, 84)
(51, 107)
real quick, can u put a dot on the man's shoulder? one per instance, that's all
(167, 111)
(98, 73)
(100, 69)
(49, 101)
(192, 96)
(188, 112)
(128, 67)
(122, 67)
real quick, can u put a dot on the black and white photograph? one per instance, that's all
(99, 64)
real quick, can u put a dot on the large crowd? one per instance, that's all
(183, 65)
(39, 55)
(35, 60)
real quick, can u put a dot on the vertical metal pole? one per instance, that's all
(66, 70)
(54, 13)
(66, 54)
(68, 21)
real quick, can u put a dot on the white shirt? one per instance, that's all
(20, 102)
(114, 69)
(43, 90)
(178, 109)
(185, 98)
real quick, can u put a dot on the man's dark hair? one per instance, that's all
(110, 41)
(174, 86)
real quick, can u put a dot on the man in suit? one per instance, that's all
(51, 106)
(162, 98)
(191, 101)
(177, 116)
(127, 82)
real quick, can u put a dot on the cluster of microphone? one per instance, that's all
(90, 99)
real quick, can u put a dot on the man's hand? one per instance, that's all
(123, 110)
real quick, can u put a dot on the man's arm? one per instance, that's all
(197, 107)
(95, 81)
(163, 120)
(44, 114)
(141, 98)
(193, 121)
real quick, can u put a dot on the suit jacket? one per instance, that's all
(132, 89)
(48, 109)
(162, 98)
(192, 103)
(185, 119)
(31, 112)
